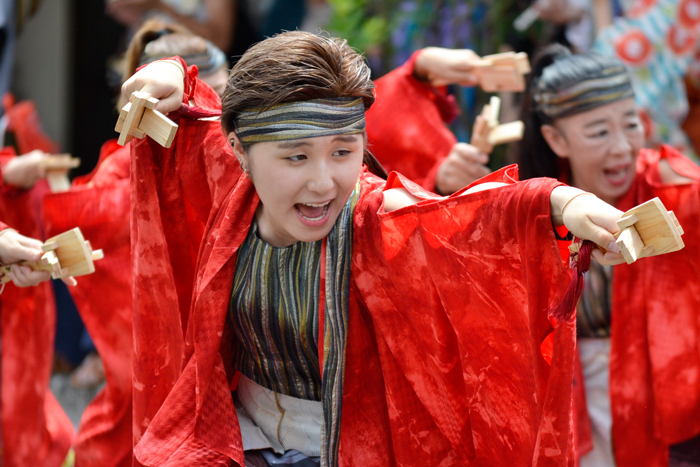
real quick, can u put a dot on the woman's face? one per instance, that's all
(601, 146)
(303, 184)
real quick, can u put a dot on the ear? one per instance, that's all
(556, 140)
(237, 147)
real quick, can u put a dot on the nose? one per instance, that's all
(320, 179)
(620, 146)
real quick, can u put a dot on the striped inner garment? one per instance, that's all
(593, 312)
(274, 313)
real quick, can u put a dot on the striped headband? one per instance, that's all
(303, 119)
(613, 85)
(209, 61)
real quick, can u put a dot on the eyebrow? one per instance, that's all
(629, 113)
(293, 144)
(595, 122)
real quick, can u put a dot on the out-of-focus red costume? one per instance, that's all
(655, 335)
(35, 430)
(407, 125)
(448, 311)
(98, 203)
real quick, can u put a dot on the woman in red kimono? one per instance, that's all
(35, 429)
(99, 204)
(361, 322)
(638, 325)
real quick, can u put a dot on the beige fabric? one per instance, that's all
(595, 360)
(263, 425)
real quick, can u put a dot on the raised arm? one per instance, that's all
(421, 146)
(586, 216)
(199, 155)
(174, 193)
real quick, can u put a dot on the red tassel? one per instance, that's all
(580, 263)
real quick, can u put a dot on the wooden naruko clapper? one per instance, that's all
(65, 255)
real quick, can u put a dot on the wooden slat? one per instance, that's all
(630, 244)
(507, 133)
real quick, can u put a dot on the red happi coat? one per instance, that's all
(447, 315)
(99, 204)
(655, 336)
(35, 430)
(406, 126)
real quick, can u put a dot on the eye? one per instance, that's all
(633, 125)
(342, 153)
(297, 158)
(599, 134)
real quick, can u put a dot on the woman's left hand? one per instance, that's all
(588, 218)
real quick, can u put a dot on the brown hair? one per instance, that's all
(164, 39)
(294, 66)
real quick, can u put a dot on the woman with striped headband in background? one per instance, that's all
(638, 325)
(359, 321)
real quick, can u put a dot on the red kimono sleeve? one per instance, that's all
(113, 166)
(406, 126)
(101, 211)
(457, 292)
(173, 192)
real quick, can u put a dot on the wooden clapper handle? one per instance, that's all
(139, 118)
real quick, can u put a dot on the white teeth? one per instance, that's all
(316, 205)
(315, 218)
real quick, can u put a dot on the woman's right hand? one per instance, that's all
(464, 165)
(163, 80)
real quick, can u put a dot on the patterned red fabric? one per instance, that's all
(448, 311)
(405, 128)
(655, 354)
(35, 430)
(99, 204)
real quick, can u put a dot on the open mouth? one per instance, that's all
(617, 175)
(312, 212)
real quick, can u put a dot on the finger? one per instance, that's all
(37, 277)
(468, 80)
(169, 104)
(70, 281)
(469, 170)
(471, 154)
(608, 259)
(18, 276)
(23, 253)
(169, 99)
(31, 243)
(481, 171)
(605, 219)
(26, 277)
(605, 239)
(128, 88)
